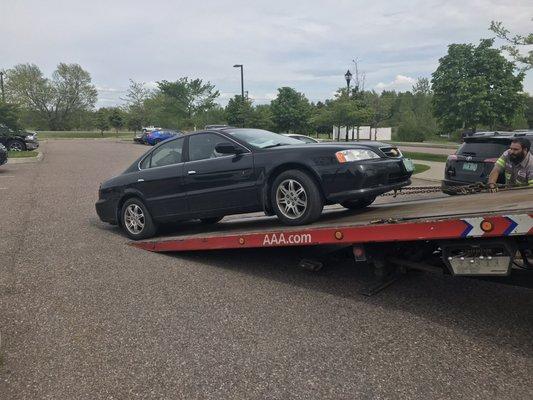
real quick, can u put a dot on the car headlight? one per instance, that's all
(29, 137)
(355, 155)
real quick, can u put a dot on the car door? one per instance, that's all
(160, 180)
(218, 182)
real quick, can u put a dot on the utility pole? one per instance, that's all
(2, 86)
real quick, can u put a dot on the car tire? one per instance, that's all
(136, 221)
(211, 221)
(16, 145)
(358, 204)
(296, 198)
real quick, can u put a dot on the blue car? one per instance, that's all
(155, 137)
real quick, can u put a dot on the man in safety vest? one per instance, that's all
(516, 163)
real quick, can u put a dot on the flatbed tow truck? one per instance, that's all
(480, 235)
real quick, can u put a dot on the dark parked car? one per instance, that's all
(207, 175)
(155, 137)
(475, 159)
(18, 140)
(3, 154)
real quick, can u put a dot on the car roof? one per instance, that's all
(506, 137)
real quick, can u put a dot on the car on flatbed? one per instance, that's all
(209, 174)
(475, 158)
(18, 140)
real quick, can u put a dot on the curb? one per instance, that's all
(26, 160)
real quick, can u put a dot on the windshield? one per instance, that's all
(262, 139)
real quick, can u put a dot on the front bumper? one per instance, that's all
(366, 179)
(31, 145)
(107, 210)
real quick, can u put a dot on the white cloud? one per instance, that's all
(400, 82)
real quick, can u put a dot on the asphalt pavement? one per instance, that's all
(85, 316)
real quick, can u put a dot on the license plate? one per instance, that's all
(408, 164)
(467, 166)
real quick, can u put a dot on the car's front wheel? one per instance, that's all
(358, 204)
(136, 220)
(296, 198)
(16, 145)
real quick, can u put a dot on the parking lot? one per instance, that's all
(84, 315)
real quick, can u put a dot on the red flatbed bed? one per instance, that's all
(499, 215)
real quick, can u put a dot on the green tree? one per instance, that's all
(514, 42)
(475, 85)
(10, 116)
(291, 111)
(116, 120)
(57, 99)
(528, 111)
(135, 99)
(239, 111)
(262, 118)
(188, 97)
(102, 120)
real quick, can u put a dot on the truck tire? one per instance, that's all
(296, 198)
(136, 220)
(358, 204)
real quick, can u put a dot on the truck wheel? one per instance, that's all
(295, 197)
(358, 204)
(211, 221)
(136, 221)
(16, 145)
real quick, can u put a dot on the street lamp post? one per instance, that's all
(348, 77)
(242, 79)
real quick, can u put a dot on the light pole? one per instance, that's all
(242, 79)
(2, 86)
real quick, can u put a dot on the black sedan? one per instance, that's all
(207, 175)
(3, 154)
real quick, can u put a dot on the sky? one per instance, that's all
(307, 45)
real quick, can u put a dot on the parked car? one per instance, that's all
(302, 138)
(155, 137)
(207, 175)
(18, 140)
(475, 159)
(3, 154)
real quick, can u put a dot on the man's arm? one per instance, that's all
(499, 166)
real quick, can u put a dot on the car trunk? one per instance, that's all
(474, 161)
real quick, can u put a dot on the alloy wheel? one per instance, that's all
(134, 219)
(291, 199)
(15, 146)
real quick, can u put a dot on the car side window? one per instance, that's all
(166, 154)
(202, 146)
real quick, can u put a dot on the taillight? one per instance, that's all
(452, 157)
(490, 160)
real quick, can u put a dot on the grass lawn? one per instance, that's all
(82, 135)
(425, 156)
(420, 168)
(22, 154)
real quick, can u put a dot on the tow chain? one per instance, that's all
(473, 188)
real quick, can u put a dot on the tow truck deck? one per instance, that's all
(479, 234)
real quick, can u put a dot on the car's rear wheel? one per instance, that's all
(136, 220)
(211, 221)
(296, 198)
(358, 204)
(16, 145)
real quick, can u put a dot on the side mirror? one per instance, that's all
(227, 148)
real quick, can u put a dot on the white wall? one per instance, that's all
(364, 133)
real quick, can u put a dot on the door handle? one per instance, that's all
(140, 180)
(191, 172)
